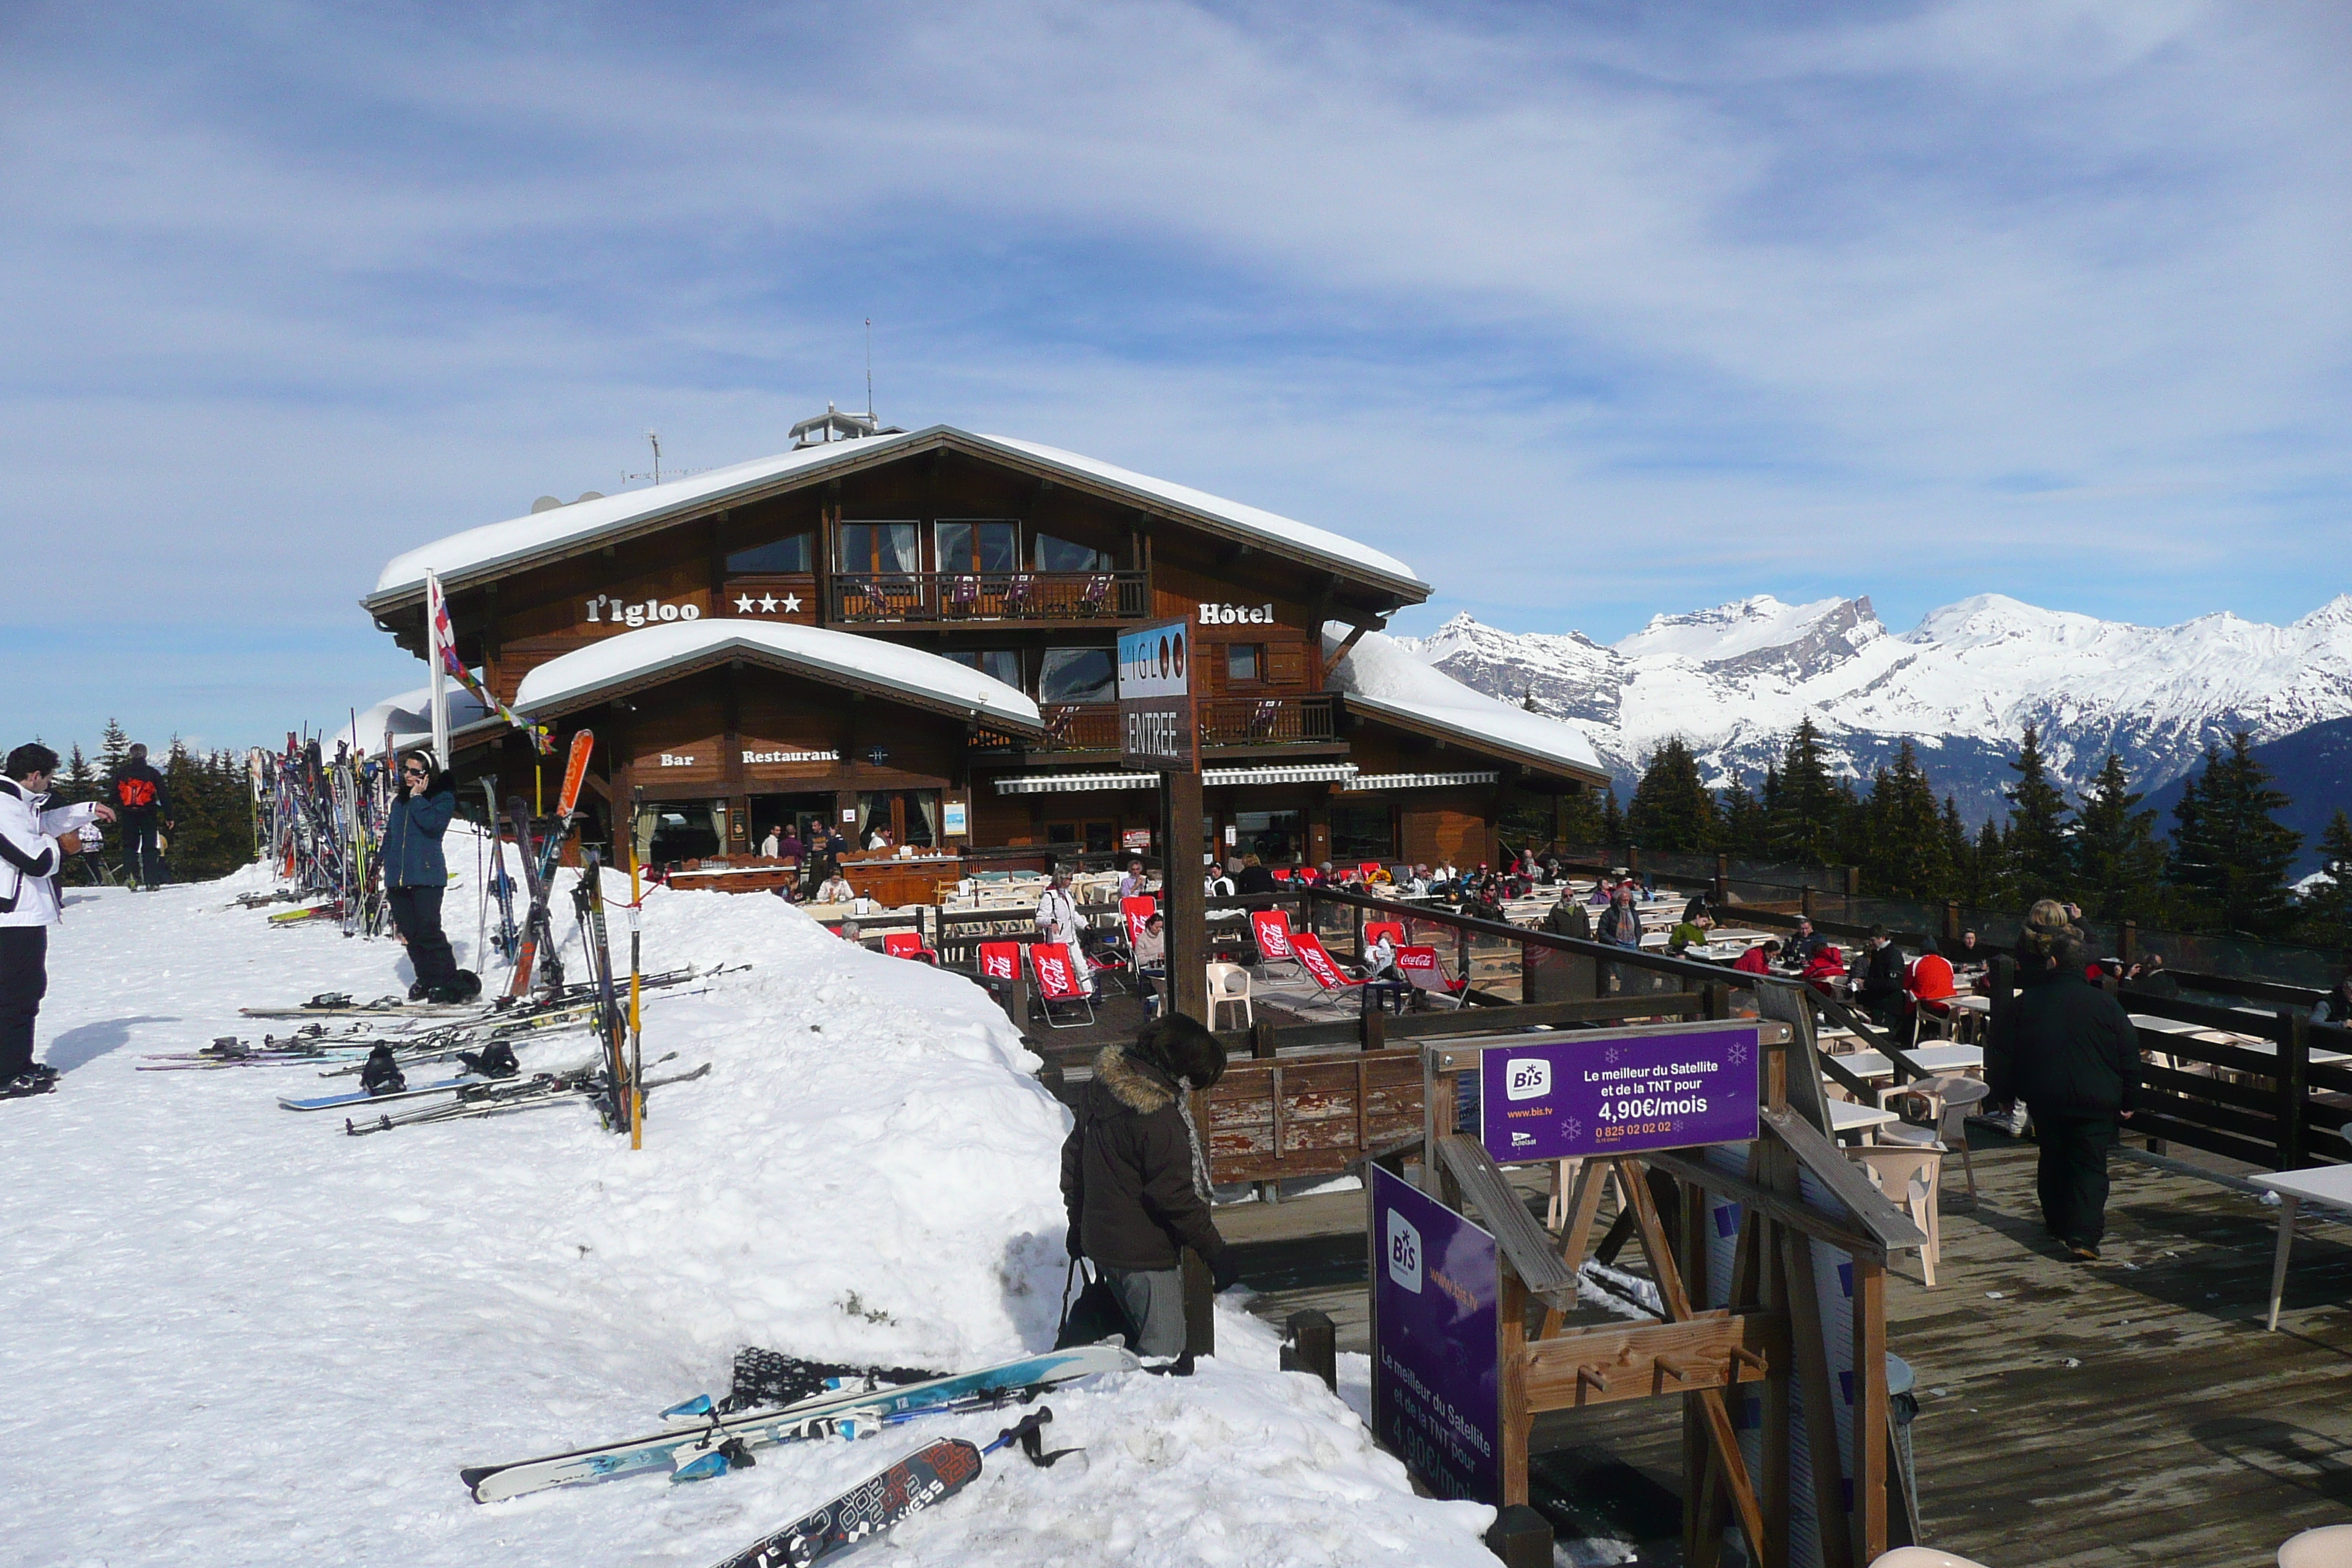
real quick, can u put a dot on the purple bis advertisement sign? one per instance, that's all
(1593, 1093)
(1437, 1401)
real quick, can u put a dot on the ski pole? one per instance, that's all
(636, 1016)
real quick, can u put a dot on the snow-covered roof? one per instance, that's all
(840, 657)
(565, 528)
(1384, 679)
(409, 718)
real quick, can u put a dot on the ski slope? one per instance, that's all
(237, 1336)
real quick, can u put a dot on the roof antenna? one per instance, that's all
(869, 370)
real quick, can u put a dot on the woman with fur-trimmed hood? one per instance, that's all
(1135, 1181)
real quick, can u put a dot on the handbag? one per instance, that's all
(1095, 1316)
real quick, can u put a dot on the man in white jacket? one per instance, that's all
(1059, 920)
(34, 844)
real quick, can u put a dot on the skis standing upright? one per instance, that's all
(535, 926)
(612, 1026)
(509, 939)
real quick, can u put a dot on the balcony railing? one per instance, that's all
(1224, 722)
(952, 597)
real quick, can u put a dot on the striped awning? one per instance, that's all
(1343, 773)
(1421, 781)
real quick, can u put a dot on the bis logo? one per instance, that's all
(1404, 1252)
(1527, 1078)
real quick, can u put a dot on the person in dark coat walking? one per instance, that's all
(2069, 1051)
(1135, 1180)
(143, 803)
(415, 877)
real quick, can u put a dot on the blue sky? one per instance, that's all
(1589, 311)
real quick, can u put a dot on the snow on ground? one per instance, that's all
(238, 1336)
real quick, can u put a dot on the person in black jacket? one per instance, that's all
(1255, 877)
(2069, 1051)
(142, 802)
(2150, 978)
(1136, 1182)
(1879, 987)
(415, 877)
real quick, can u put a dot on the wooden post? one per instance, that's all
(1373, 1032)
(1951, 923)
(1262, 1040)
(2294, 1082)
(1853, 881)
(1722, 881)
(1869, 1425)
(1522, 1537)
(1634, 859)
(1187, 906)
(2127, 944)
(1313, 1347)
(1511, 1342)
(1805, 902)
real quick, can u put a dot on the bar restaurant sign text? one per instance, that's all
(1156, 729)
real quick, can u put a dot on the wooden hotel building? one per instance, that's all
(914, 630)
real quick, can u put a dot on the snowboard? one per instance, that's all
(820, 1417)
(868, 1510)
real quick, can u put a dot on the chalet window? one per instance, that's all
(1245, 661)
(884, 548)
(788, 555)
(1360, 833)
(997, 663)
(977, 544)
(1077, 675)
(1068, 555)
(1275, 837)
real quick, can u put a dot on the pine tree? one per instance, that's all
(1960, 853)
(2327, 908)
(2039, 861)
(1989, 881)
(2118, 865)
(78, 782)
(1904, 854)
(1579, 818)
(2231, 854)
(1612, 822)
(1672, 810)
(113, 749)
(1807, 819)
(1742, 816)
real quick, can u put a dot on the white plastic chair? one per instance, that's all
(1229, 985)
(1909, 1176)
(2329, 1546)
(1923, 1557)
(1949, 1098)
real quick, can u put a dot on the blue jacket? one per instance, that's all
(412, 840)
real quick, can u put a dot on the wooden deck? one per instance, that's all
(2129, 1412)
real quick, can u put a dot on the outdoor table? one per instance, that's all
(2328, 1184)
(1935, 1059)
(1852, 1116)
(1967, 1004)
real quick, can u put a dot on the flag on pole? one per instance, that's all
(442, 638)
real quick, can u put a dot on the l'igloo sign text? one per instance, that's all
(1601, 1094)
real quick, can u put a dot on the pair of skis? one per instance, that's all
(496, 1096)
(882, 1501)
(704, 1432)
(539, 872)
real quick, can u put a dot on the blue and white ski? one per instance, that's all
(825, 1415)
(344, 1101)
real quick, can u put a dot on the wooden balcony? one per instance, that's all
(960, 598)
(1234, 722)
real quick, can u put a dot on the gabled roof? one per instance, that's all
(1382, 680)
(652, 655)
(500, 547)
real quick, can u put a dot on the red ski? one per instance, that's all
(576, 769)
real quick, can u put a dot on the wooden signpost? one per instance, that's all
(1771, 1213)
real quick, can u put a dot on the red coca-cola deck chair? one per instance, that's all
(908, 944)
(1271, 930)
(1049, 966)
(1426, 973)
(1316, 960)
(1000, 960)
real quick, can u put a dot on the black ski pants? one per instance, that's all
(142, 859)
(416, 915)
(2073, 1177)
(24, 981)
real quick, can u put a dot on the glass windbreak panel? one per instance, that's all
(1273, 836)
(887, 547)
(784, 555)
(1077, 675)
(971, 544)
(1068, 555)
(1360, 833)
(996, 663)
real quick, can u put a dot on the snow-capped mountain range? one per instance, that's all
(1734, 681)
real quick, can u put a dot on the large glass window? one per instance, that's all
(1068, 555)
(997, 663)
(973, 544)
(1273, 836)
(1077, 675)
(1362, 832)
(784, 555)
(878, 547)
